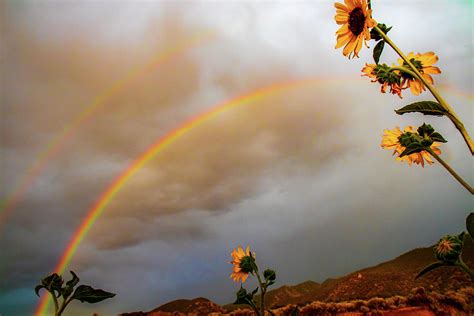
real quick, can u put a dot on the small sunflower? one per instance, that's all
(383, 75)
(424, 63)
(391, 139)
(448, 249)
(355, 18)
(243, 264)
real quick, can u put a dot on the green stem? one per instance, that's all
(450, 112)
(466, 269)
(63, 305)
(403, 69)
(451, 171)
(251, 303)
(263, 290)
(56, 305)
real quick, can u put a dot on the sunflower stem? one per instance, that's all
(451, 171)
(466, 269)
(450, 112)
(403, 69)
(263, 290)
(56, 305)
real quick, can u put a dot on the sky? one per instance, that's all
(298, 174)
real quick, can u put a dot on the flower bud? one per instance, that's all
(269, 275)
(448, 249)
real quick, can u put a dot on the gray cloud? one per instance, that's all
(298, 174)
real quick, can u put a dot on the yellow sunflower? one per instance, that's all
(355, 18)
(391, 140)
(241, 268)
(424, 63)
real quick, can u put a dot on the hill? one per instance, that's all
(392, 278)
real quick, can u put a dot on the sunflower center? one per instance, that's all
(247, 264)
(444, 246)
(356, 21)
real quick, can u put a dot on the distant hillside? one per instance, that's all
(391, 278)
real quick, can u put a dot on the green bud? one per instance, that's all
(425, 130)
(375, 35)
(448, 249)
(269, 275)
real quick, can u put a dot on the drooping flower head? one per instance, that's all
(397, 140)
(355, 18)
(383, 74)
(424, 64)
(243, 262)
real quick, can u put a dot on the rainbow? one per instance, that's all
(162, 143)
(54, 147)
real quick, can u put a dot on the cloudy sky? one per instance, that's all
(298, 175)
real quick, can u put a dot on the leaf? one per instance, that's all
(425, 107)
(86, 293)
(73, 282)
(436, 137)
(430, 267)
(378, 49)
(38, 288)
(470, 224)
(254, 291)
(294, 312)
(66, 292)
(412, 148)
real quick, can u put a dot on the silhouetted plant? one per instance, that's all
(54, 284)
(448, 250)
(245, 265)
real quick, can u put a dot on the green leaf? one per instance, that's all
(425, 107)
(73, 282)
(430, 267)
(436, 137)
(470, 224)
(254, 291)
(86, 293)
(412, 148)
(378, 49)
(67, 291)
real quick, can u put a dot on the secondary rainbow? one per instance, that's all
(54, 147)
(163, 142)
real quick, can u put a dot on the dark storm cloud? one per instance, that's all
(302, 165)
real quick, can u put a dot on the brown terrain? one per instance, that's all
(387, 289)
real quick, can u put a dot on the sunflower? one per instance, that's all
(391, 139)
(243, 264)
(424, 63)
(383, 75)
(356, 20)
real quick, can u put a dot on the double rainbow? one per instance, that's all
(55, 146)
(162, 143)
